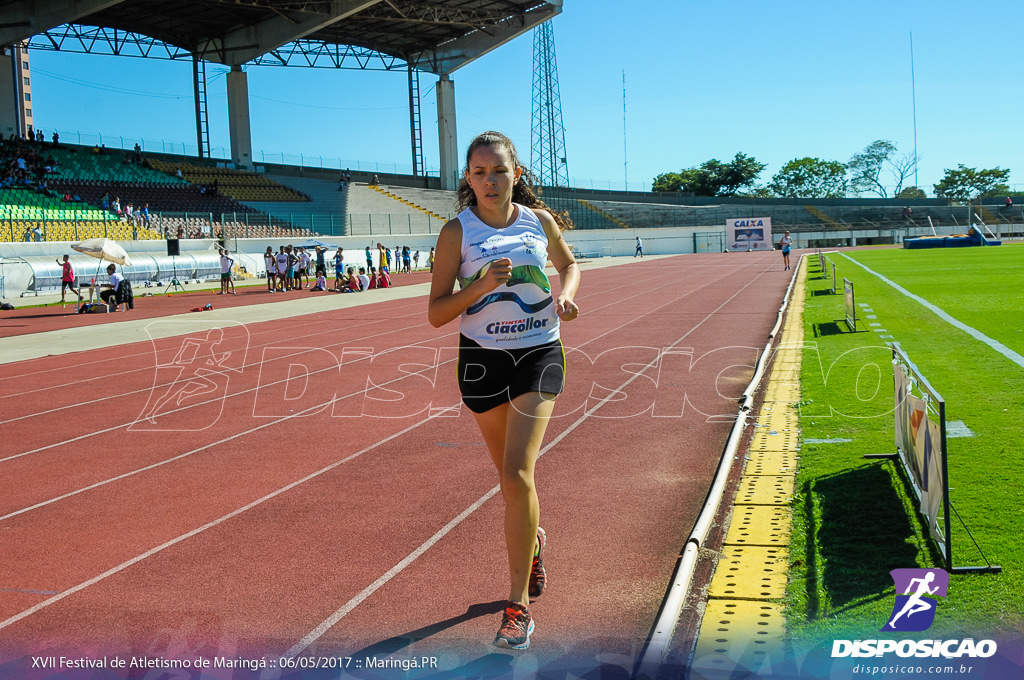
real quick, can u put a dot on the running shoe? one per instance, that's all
(538, 576)
(516, 626)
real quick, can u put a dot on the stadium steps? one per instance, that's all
(986, 215)
(378, 188)
(323, 213)
(372, 212)
(818, 213)
(606, 215)
(239, 185)
(439, 201)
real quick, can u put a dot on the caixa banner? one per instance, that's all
(748, 233)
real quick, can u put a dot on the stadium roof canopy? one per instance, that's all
(437, 36)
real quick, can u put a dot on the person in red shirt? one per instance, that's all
(67, 279)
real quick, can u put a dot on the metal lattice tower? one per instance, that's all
(547, 135)
(202, 112)
(415, 123)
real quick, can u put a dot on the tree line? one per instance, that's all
(873, 171)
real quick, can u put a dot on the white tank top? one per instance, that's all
(520, 313)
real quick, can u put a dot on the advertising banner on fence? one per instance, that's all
(748, 233)
(919, 440)
(849, 305)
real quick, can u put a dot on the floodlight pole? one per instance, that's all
(913, 96)
(625, 156)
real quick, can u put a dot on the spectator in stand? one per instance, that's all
(129, 212)
(40, 137)
(115, 207)
(56, 138)
(1009, 202)
(375, 181)
(270, 263)
(144, 214)
(67, 279)
(907, 212)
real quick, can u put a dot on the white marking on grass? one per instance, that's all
(956, 429)
(942, 314)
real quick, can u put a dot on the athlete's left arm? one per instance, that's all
(565, 264)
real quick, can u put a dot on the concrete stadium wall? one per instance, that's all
(19, 279)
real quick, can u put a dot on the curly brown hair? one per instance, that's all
(522, 191)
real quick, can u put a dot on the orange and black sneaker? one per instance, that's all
(538, 577)
(516, 626)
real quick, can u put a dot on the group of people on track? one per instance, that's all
(290, 269)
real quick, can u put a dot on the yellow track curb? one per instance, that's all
(743, 627)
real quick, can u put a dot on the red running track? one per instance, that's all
(54, 317)
(305, 488)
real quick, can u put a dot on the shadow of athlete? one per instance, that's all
(914, 603)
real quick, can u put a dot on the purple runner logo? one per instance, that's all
(914, 609)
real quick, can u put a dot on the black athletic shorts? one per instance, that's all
(492, 377)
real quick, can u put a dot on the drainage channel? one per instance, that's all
(743, 627)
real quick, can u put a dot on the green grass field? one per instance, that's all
(856, 518)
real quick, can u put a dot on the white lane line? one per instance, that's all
(345, 609)
(272, 423)
(942, 314)
(174, 541)
(149, 553)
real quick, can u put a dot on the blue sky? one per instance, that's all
(774, 80)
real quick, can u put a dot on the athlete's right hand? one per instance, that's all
(497, 273)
